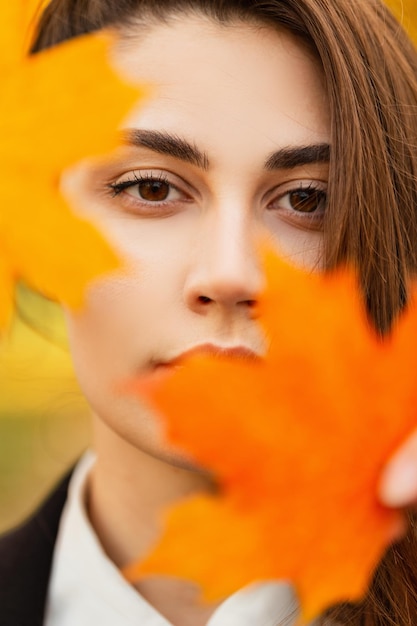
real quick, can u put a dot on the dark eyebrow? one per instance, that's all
(167, 143)
(289, 158)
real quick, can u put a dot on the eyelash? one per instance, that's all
(137, 179)
(311, 219)
(151, 207)
(314, 218)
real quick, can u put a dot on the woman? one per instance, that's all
(297, 116)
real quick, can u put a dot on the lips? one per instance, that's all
(161, 369)
(208, 349)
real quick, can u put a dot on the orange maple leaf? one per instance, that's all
(57, 107)
(18, 23)
(296, 443)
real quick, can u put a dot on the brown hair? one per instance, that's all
(370, 68)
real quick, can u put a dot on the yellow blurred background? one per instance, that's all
(44, 422)
(406, 12)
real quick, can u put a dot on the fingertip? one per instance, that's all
(398, 486)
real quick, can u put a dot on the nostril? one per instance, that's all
(204, 300)
(250, 303)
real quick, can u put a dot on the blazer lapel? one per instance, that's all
(25, 563)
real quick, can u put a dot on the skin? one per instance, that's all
(191, 265)
(398, 486)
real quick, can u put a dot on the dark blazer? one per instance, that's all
(25, 563)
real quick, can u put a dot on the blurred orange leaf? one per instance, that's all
(18, 19)
(57, 107)
(296, 443)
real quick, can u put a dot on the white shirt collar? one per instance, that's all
(87, 588)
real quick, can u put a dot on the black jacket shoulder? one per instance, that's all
(25, 563)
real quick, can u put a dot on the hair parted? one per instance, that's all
(370, 70)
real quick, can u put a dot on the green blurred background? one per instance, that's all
(44, 423)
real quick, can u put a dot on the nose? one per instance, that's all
(225, 271)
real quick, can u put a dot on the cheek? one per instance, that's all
(128, 321)
(123, 313)
(111, 341)
(303, 248)
(107, 350)
(110, 335)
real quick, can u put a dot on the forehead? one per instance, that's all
(235, 85)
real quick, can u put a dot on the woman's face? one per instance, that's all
(233, 144)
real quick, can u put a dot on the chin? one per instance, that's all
(129, 427)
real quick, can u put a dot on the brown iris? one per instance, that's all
(307, 200)
(153, 190)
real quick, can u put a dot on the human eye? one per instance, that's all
(303, 203)
(149, 193)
